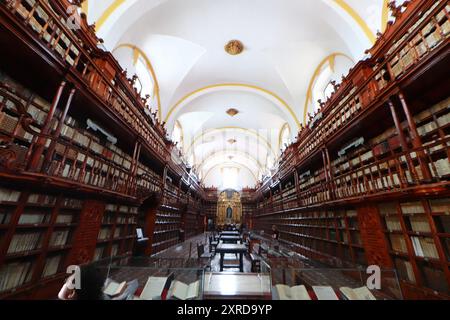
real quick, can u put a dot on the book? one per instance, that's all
(362, 293)
(182, 291)
(114, 288)
(325, 293)
(154, 287)
(417, 246)
(292, 293)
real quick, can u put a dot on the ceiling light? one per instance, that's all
(232, 112)
(234, 47)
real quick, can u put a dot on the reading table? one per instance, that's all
(240, 249)
(231, 239)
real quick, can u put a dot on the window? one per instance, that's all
(177, 135)
(285, 136)
(147, 85)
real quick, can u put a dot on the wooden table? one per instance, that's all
(240, 249)
(236, 285)
(230, 239)
(229, 233)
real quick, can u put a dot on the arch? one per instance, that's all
(85, 7)
(107, 13)
(137, 50)
(181, 141)
(280, 135)
(385, 15)
(331, 59)
(341, 3)
(223, 129)
(211, 88)
(358, 19)
(235, 164)
(242, 153)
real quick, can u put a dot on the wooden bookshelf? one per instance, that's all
(366, 180)
(82, 157)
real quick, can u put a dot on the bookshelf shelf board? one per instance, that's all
(21, 255)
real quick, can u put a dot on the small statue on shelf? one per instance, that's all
(335, 85)
(321, 103)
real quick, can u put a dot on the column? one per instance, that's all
(38, 147)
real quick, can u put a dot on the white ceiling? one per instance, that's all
(285, 42)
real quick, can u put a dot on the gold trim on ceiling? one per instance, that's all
(385, 15)
(357, 18)
(341, 3)
(283, 103)
(136, 52)
(330, 59)
(85, 7)
(108, 13)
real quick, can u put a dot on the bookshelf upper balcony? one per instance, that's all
(76, 49)
(411, 46)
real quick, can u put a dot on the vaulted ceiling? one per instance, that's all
(228, 111)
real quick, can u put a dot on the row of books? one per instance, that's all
(419, 223)
(98, 253)
(51, 266)
(41, 199)
(72, 203)
(59, 238)
(34, 218)
(121, 208)
(65, 218)
(393, 223)
(24, 242)
(442, 167)
(398, 243)
(424, 247)
(405, 270)
(8, 123)
(13, 275)
(9, 195)
(5, 217)
(440, 205)
(412, 208)
(104, 233)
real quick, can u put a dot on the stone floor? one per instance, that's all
(188, 249)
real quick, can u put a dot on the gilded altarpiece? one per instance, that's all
(229, 208)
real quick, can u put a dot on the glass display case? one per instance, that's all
(151, 279)
(334, 284)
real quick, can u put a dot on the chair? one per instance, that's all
(212, 245)
(201, 255)
(256, 263)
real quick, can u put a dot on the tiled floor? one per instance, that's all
(188, 249)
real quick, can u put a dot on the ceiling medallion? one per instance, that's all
(232, 112)
(232, 141)
(234, 47)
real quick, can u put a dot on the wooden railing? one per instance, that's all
(51, 31)
(395, 173)
(409, 50)
(70, 160)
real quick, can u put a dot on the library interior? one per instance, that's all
(238, 149)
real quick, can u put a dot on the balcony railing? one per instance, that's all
(50, 29)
